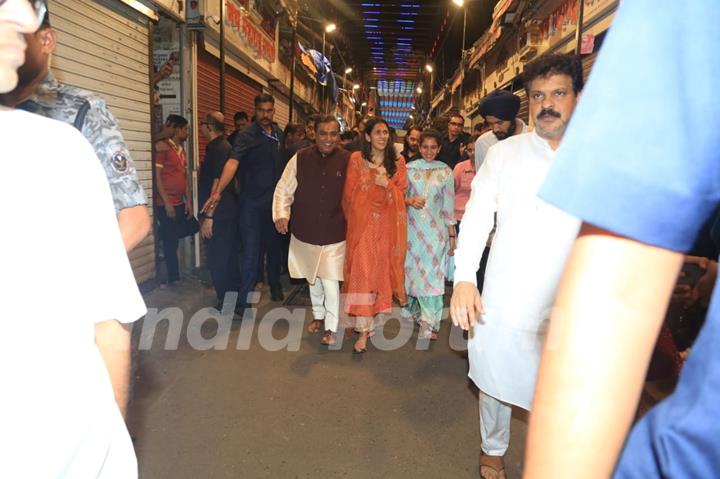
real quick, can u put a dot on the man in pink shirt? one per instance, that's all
(464, 173)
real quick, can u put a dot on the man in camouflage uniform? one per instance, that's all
(38, 92)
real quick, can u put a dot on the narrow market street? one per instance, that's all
(309, 413)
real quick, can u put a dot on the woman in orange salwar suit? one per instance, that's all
(374, 206)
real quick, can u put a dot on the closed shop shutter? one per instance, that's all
(240, 92)
(524, 111)
(103, 46)
(282, 109)
(208, 88)
(587, 63)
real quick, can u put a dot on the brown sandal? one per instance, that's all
(489, 472)
(328, 338)
(315, 326)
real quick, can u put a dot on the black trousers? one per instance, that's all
(222, 256)
(257, 229)
(169, 236)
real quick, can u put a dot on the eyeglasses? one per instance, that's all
(455, 123)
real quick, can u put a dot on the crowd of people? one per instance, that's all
(580, 233)
(382, 222)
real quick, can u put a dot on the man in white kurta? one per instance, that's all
(529, 250)
(310, 190)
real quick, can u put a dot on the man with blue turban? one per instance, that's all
(500, 109)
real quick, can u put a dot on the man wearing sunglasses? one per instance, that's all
(451, 153)
(38, 92)
(65, 355)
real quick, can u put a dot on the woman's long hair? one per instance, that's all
(390, 157)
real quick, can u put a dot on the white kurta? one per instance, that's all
(488, 139)
(531, 245)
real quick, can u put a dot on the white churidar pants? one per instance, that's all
(494, 425)
(325, 296)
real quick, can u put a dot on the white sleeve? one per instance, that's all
(478, 220)
(482, 145)
(284, 195)
(109, 287)
(478, 153)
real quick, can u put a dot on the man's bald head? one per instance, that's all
(215, 121)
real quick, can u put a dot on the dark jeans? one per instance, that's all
(169, 236)
(222, 255)
(256, 229)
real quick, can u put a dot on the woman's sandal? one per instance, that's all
(328, 338)
(427, 333)
(360, 345)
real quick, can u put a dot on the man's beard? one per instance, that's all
(410, 151)
(501, 135)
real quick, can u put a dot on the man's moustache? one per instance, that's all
(548, 112)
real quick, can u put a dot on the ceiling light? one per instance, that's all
(419, 90)
(429, 68)
(459, 3)
(348, 70)
(331, 27)
(356, 86)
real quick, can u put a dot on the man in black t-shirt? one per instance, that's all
(450, 153)
(218, 224)
(257, 160)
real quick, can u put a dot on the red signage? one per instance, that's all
(587, 44)
(251, 34)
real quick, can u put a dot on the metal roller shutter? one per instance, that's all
(282, 109)
(524, 111)
(587, 63)
(240, 92)
(208, 79)
(104, 47)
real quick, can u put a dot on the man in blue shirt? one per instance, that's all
(257, 159)
(644, 190)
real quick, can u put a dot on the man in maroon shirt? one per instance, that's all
(171, 200)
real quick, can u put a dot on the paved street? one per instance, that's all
(307, 413)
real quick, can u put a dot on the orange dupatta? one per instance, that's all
(361, 198)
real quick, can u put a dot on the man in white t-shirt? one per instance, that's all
(58, 409)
